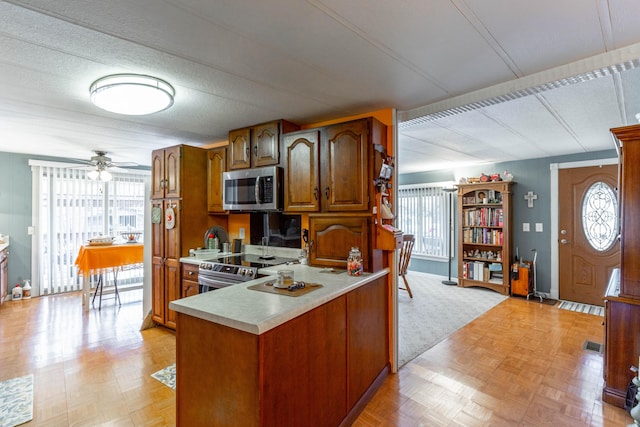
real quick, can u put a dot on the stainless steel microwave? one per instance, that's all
(256, 189)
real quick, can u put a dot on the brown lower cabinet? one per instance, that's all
(189, 280)
(320, 368)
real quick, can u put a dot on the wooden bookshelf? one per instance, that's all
(484, 235)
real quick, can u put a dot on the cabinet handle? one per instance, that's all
(247, 151)
(326, 193)
(255, 151)
(191, 273)
(315, 193)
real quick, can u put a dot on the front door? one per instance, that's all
(588, 220)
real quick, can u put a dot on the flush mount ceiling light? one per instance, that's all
(132, 94)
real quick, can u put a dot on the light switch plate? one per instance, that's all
(526, 227)
(538, 227)
(241, 233)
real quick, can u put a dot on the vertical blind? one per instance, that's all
(69, 209)
(423, 212)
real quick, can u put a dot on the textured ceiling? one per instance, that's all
(237, 63)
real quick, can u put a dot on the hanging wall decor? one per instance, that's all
(169, 218)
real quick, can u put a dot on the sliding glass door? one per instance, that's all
(69, 209)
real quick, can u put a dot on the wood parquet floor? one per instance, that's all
(522, 363)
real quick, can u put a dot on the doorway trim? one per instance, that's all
(555, 260)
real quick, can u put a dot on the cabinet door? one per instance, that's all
(157, 290)
(296, 369)
(157, 264)
(216, 165)
(157, 174)
(239, 148)
(302, 178)
(265, 144)
(345, 163)
(172, 284)
(189, 280)
(172, 246)
(172, 171)
(368, 338)
(333, 237)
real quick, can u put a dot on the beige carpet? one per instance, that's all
(436, 311)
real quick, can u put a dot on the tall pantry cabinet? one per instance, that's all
(178, 220)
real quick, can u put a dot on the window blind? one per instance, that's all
(423, 212)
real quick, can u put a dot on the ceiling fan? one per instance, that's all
(99, 165)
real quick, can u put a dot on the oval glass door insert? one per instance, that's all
(600, 216)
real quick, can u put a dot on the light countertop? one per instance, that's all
(4, 246)
(257, 312)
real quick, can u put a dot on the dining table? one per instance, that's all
(104, 259)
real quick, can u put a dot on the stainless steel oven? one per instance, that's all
(214, 275)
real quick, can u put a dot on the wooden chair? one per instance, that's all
(408, 240)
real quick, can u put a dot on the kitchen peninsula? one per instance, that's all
(252, 358)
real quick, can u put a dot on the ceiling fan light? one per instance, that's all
(105, 176)
(132, 94)
(93, 175)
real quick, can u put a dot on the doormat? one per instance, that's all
(582, 308)
(546, 301)
(16, 401)
(167, 376)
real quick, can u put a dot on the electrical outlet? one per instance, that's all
(30, 230)
(538, 227)
(526, 227)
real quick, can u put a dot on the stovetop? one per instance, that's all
(249, 260)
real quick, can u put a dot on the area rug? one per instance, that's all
(16, 401)
(436, 311)
(582, 308)
(167, 376)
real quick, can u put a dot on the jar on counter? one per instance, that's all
(354, 262)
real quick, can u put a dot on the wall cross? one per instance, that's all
(530, 197)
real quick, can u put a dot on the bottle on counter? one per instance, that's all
(354, 262)
(212, 241)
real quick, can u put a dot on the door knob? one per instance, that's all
(563, 231)
(564, 241)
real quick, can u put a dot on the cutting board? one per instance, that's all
(268, 287)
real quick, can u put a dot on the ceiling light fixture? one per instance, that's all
(132, 94)
(99, 174)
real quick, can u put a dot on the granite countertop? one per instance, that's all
(257, 312)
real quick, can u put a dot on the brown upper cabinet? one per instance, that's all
(329, 169)
(257, 145)
(216, 165)
(165, 171)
